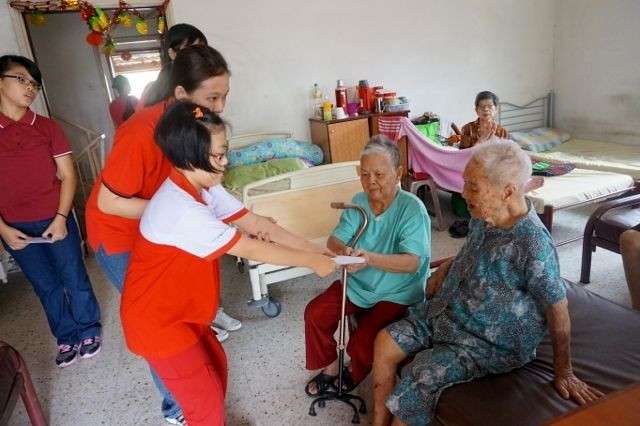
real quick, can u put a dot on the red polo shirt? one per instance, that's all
(171, 291)
(29, 188)
(135, 167)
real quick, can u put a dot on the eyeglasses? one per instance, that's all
(488, 106)
(218, 157)
(24, 81)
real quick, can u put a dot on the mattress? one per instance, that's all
(577, 187)
(592, 155)
(605, 352)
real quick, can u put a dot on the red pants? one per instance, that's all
(321, 320)
(197, 379)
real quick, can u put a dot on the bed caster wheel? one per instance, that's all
(321, 403)
(312, 411)
(356, 419)
(272, 309)
(240, 266)
(363, 409)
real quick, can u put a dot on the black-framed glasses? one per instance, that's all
(218, 157)
(24, 81)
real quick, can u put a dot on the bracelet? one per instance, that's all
(61, 215)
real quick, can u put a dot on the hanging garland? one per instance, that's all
(100, 24)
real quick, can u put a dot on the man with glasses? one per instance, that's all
(38, 182)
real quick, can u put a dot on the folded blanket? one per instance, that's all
(542, 167)
(236, 179)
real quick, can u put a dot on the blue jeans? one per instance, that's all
(115, 266)
(59, 278)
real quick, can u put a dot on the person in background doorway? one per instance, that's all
(38, 182)
(125, 104)
(178, 37)
(630, 250)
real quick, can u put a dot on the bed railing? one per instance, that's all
(537, 113)
(239, 141)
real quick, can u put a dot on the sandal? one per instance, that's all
(322, 382)
(348, 384)
(459, 229)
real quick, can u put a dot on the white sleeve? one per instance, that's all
(223, 204)
(200, 233)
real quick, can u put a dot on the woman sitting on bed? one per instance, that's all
(481, 130)
(396, 250)
(489, 308)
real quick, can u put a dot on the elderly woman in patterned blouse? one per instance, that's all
(488, 309)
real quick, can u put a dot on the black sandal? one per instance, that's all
(348, 384)
(322, 382)
(459, 229)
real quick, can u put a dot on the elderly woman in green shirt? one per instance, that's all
(396, 250)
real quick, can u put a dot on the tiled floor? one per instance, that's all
(266, 356)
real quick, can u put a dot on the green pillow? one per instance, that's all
(240, 176)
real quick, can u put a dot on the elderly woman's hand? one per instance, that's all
(358, 266)
(568, 385)
(437, 278)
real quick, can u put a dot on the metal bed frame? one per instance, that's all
(540, 113)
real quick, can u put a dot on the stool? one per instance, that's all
(412, 185)
(15, 381)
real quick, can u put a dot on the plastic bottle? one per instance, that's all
(341, 95)
(326, 110)
(316, 96)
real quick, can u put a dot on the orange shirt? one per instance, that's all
(171, 290)
(470, 134)
(135, 167)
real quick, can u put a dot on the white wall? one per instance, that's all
(597, 69)
(72, 75)
(8, 42)
(438, 53)
(9, 46)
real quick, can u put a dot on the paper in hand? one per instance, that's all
(348, 260)
(38, 240)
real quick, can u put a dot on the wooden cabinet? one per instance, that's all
(340, 140)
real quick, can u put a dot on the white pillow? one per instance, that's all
(539, 139)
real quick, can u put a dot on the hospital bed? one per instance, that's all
(578, 187)
(583, 153)
(300, 202)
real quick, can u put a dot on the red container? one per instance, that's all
(366, 98)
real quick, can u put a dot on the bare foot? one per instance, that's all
(534, 182)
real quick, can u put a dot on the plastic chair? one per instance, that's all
(14, 381)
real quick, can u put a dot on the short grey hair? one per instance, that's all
(380, 144)
(504, 162)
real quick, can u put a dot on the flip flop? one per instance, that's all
(322, 382)
(459, 229)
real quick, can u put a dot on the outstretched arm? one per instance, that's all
(280, 255)
(566, 383)
(266, 229)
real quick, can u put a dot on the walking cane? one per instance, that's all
(339, 395)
